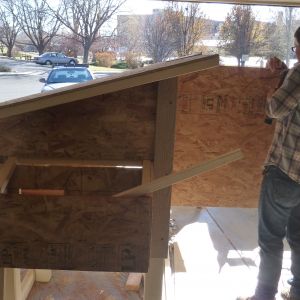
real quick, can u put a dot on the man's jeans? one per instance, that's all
(279, 217)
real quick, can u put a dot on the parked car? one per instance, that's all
(65, 76)
(55, 58)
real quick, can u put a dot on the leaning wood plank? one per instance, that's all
(6, 172)
(294, 3)
(171, 179)
(72, 163)
(129, 79)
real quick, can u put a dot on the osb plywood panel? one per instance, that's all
(75, 233)
(75, 181)
(220, 110)
(114, 126)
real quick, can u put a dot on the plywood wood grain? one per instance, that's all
(220, 110)
(117, 126)
(75, 233)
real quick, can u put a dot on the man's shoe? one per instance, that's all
(286, 295)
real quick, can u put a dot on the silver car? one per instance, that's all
(55, 58)
(65, 76)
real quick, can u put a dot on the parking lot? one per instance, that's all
(23, 80)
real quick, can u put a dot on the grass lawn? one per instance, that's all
(103, 69)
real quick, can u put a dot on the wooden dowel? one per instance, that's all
(41, 192)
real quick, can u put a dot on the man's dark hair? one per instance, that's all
(297, 35)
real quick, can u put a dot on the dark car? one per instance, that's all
(55, 58)
(65, 76)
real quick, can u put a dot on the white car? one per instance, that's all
(65, 76)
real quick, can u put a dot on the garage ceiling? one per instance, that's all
(295, 3)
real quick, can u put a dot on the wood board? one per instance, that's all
(75, 233)
(220, 110)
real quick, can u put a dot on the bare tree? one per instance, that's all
(9, 29)
(130, 33)
(240, 33)
(158, 38)
(189, 26)
(85, 18)
(35, 21)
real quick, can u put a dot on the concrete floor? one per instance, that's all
(216, 253)
(215, 257)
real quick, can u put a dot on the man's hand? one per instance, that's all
(275, 65)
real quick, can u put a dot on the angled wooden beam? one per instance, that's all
(168, 180)
(153, 73)
(6, 172)
(73, 163)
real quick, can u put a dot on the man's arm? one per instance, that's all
(286, 97)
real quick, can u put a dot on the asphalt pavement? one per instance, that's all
(23, 80)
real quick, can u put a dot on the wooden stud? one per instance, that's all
(6, 172)
(134, 279)
(166, 181)
(1, 283)
(163, 164)
(133, 282)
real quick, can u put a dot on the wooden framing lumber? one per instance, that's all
(163, 164)
(41, 192)
(293, 3)
(73, 163)
(134, 279)
(133, 282)
(171, 179)
(128, 79)
(6, 172)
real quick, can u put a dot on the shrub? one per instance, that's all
(4, 68)
(132, 60)
(105, 59)
(120, 65)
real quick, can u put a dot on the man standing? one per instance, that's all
(279, 206)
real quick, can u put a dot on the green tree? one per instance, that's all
(240, 34)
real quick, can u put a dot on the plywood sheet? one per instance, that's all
(117, 126)
(218, 111)
(75, 233)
